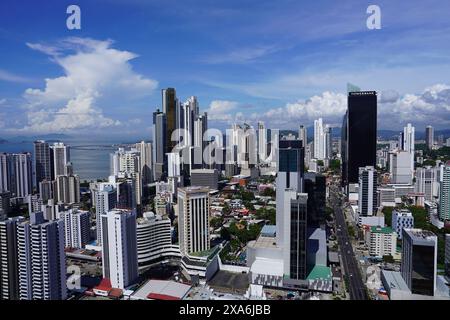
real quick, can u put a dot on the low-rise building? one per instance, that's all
(402, 218)
(382, 241)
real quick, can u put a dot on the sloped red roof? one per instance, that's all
(105, 285)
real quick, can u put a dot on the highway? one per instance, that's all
(355, 283)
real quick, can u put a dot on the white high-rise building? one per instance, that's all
(105, 201)
(193, 219)
(145, 161)
(409, 143)
(173, 164)
(154, 240)
(367, 203)
(319, 140)
(128, 164)
(400, 167)
(119, 249)
(76, 228)
(16, 174)
(426, 182)
(67, 189)
(262, 142)
(41, 259)
(61, 156)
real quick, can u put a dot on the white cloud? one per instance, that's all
(329, 105)
(221, 110)
(432, 106)
(94, 73)
(242, 55)
(10, 77)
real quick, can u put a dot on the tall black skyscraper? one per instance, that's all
(359, 135)
(169, 106)
(42, 162)
(159, 142)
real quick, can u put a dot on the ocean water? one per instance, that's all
(90, 158)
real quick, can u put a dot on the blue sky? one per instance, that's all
(284, 62)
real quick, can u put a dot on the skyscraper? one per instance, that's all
(444, 199)
(290, 176)
(302, 135)
(16, 174)
(295, 234)
(359, 135)
(367, 191)
(409, 144)
(400, 167)
(419, 261)
(61, 156)
(76, 228)
(119, 249)
(159, 141)
(262, 142)
(169, 106)
(145, 161)
(9, 284)
(319, 140)
(105, 201)
(42, 162)
(41, 259)
(328, 142)
(193, 219)
(68, 189)
(429, 137)
(426, 181)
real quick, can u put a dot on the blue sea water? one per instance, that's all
(90, 158)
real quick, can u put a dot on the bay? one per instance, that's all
(90, 157)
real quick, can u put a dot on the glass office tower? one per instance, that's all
(359, 135)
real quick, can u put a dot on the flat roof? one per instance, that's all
(394, 280)
(265, 242)
(378, 229)
(319, 272)
(420, 235)
(269, 231)
(162, 290)
(267, 267)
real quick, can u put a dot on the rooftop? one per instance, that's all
(395, 280)
(378, 229)
(421, 235)
(269, 231)
(267, 267)
(319, 272)
(162, 290)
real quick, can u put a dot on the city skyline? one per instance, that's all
(63, 81)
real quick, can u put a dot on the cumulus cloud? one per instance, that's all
(222, 110)
(329, 105)
(432, 106)
(94, 73)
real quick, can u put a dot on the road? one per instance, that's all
(355, 283)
